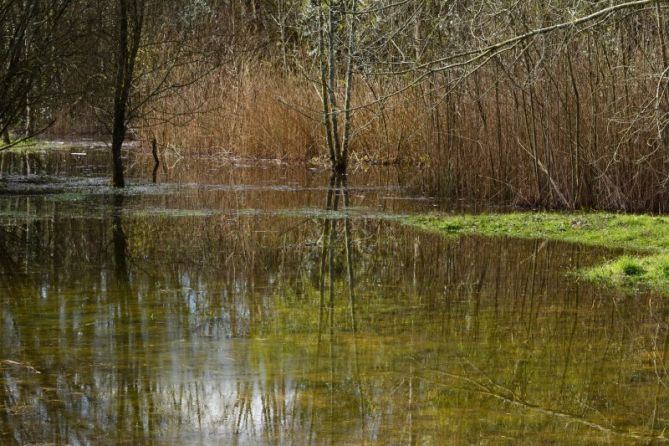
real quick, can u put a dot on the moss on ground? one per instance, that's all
(34, 145)
(640, 233)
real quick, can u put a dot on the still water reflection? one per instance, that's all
(268, 305)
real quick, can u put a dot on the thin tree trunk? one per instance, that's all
(663, 135)
(576, 193)
(343, 161)
(661, 35)
(126, 57)
(29, 127)
(154, 152)
(324, 87)
(332, 85)
(501, 171)
(120, 96)
(118, 136)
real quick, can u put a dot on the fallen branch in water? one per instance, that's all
(511, 398)
(17, 364)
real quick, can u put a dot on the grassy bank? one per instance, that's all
(647, 236)
(22, 146)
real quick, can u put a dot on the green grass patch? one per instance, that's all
(628, 272)
(33, 145)
(26, 146)
(640, 233)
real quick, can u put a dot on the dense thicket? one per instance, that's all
(561, 103)
(37, 56)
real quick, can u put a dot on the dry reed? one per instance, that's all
(582, 127)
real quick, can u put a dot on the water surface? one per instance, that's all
(254, 304)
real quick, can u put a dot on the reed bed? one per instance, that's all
(553, 137)
(568, 120)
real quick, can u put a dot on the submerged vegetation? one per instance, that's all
(636, 233)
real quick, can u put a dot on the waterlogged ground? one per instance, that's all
(228, 305)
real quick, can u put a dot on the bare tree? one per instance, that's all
(130, 24)
(37, 46)
(157, 50)
(340, 16)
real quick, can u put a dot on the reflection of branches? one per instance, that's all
(20, 365)
(324, 249)
(338, 191)
(506, 395)
(660, 368)
(9, 266)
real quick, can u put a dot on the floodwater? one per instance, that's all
(254, 304)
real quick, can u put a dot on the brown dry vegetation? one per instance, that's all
(577, 129)
(240, 112)
(568, 119)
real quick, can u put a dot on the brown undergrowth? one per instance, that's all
(551, 137)
(568, 120)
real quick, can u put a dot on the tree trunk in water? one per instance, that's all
(332, 82)
(154, 152)
(118, 135)
(124, 71)
(342, 162)
(327, 122)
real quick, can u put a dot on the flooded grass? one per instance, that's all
(637, 233)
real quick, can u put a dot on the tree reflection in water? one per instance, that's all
(124, 325)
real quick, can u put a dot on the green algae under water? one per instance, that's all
(194, 315)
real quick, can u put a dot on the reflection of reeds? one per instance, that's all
(139, 364)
